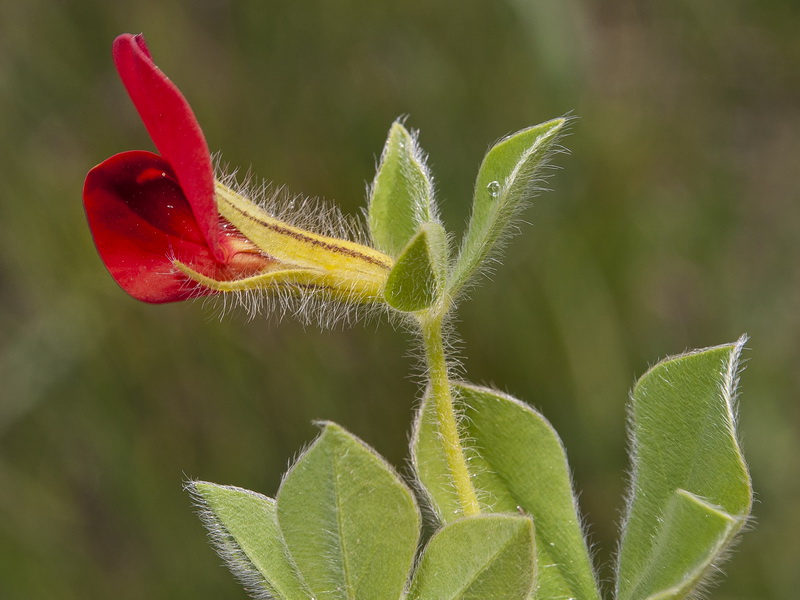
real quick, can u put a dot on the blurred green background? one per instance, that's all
(674, 224)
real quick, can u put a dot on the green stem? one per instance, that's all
(441, 393)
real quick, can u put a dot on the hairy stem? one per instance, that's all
(442, 396)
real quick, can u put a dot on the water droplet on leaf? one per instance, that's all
(494, 188)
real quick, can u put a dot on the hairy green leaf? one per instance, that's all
(401, 197)
(350, 524)
(506, 180)
(489, 557)
(691, 490)
(517, 462)
(417, 278)
(244, 528)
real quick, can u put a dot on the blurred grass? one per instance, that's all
(673, 225)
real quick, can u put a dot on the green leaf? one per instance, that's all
(489, 557)
(350, 524)
(401, 197)
(517, 462)
(507, 178)
(244, 529)
(691, 490)
(417, 278)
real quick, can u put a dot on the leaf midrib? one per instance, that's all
(346, 570)
(460, 593)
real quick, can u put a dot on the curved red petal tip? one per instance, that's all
(140, 220)
(175, 132)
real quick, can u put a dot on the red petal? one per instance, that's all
(140, 220)
(175, 132)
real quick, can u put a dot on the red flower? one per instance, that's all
(167, 231)
(146, 211)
